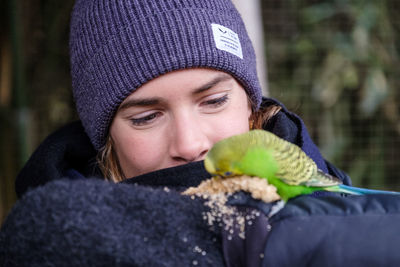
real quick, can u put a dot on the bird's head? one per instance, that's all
(220, 168)
(223, 157)
(242, 154)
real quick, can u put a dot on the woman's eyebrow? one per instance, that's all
(142, 102)
(139, 102)
(218, 79)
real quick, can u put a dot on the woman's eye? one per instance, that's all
(217, 102)
(145, 120)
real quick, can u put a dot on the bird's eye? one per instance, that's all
(228, 173)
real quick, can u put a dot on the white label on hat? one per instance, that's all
(227, 40)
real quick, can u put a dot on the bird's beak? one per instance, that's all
(209, 166)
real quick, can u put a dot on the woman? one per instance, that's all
(156, 84)
(129, 53)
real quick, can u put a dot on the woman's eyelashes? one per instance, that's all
(216, 102)
(145, 120)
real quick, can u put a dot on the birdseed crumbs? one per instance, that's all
(216, 191)
(257, 187)
(166, 189)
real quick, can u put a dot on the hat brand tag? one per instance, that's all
(227, 40)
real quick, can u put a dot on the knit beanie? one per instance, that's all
(118, 45)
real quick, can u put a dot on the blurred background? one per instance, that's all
(333, 62)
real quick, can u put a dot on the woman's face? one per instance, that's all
(176, 118)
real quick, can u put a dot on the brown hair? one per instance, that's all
(262, 116)
(108, 160)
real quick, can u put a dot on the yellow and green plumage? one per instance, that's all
(261, 153)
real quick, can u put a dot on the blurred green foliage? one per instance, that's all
(35, 92)
(336, 63)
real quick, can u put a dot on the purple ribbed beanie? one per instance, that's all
(118, 45)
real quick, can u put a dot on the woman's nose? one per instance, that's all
(189, 142)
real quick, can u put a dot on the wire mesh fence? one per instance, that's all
(336, 63)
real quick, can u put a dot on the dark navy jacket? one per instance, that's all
(64, 218)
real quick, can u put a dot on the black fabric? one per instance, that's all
(91, 222)
(180, 177)
(68, 148)
(320, 231)
(248, 251)
(335, 231)
(136, 225)
(283, 126)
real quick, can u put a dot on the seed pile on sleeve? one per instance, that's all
(215, 193)
(257, 187)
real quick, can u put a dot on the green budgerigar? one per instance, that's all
(263, 154)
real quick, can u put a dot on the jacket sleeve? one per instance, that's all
(90, 222)
(320, 231)
(336, 231)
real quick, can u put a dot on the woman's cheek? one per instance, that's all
(146, 155)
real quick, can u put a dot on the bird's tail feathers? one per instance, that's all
(360, 191)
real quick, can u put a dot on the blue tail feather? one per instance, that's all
(363, 191)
